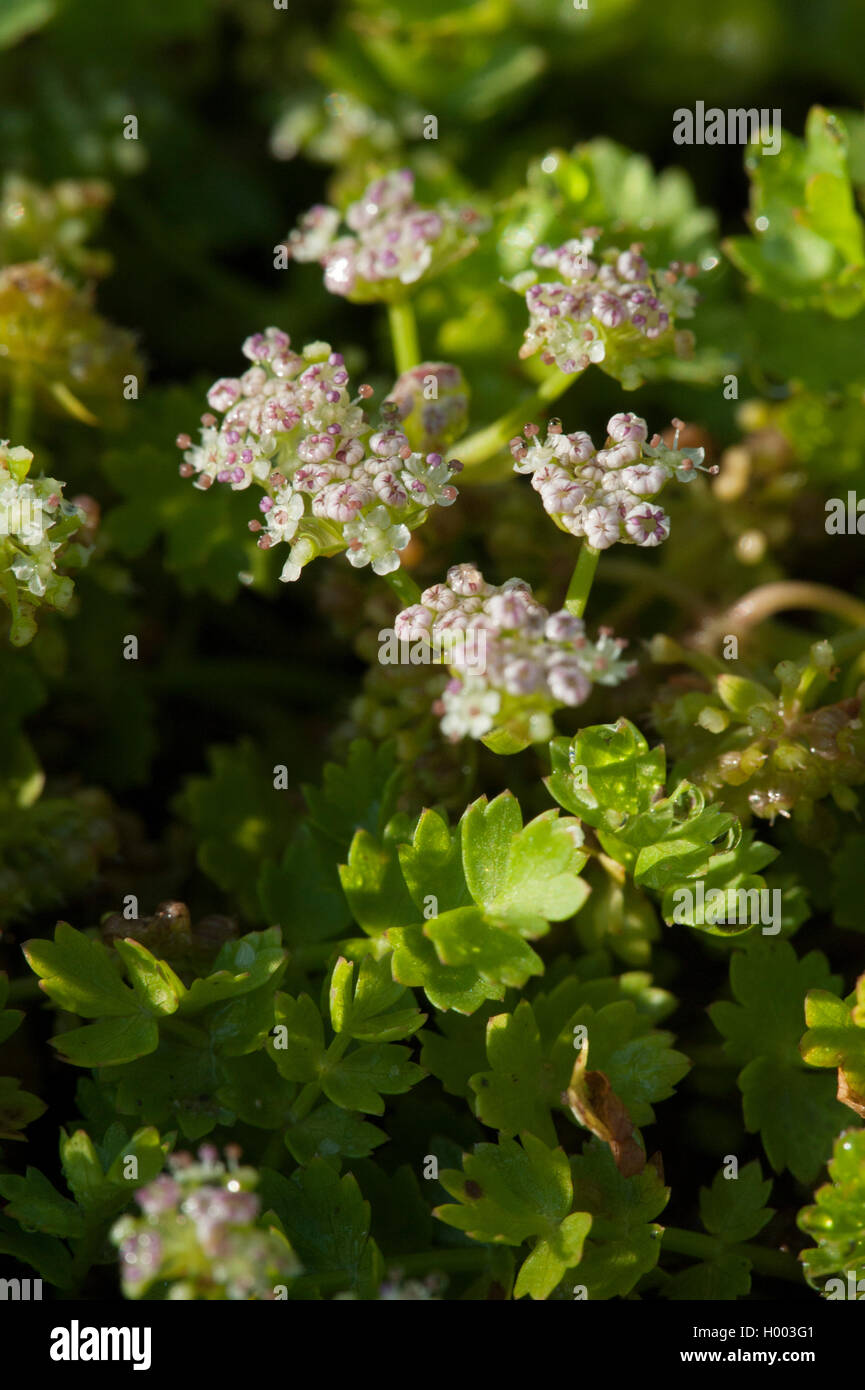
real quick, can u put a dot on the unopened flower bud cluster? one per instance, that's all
(50, 329)
(391, 240)
(198, 1229)
(534, 661)
(51, 223)
(332, 482)
(606, 495)
(612, 304)
(35, 524)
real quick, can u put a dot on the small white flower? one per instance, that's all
(522, 676)
(412, 622)
(428, 480)
(284, 517)
(223, 394)
(314, 235)
(439, 598)
(300, 554)
(563, 495)
(626, 425)
(619, 455)
(470, 709)
(374, 540)
(567, 683)
(647, 525)
(467, 580)
(602, 527)
(643, 479)
(563, 627)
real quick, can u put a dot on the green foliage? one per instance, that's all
(102, 1178)
(836, 1038)
(511, 1193)
(732, 1210)
(609, 776)
(836, 1222)
(448, 1038)
(17, 1107)
(458, 907)
(157, 505)
(793, 1109)
(625, 1241)
(808, 250)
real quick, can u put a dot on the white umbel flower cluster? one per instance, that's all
(36, 523)
(391, 240)
(534, 661)
(605, 308)
(606, 495)
(332, 483)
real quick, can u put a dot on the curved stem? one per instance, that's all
(773, 1263)
(404, 587)
(403, 332)
(768, 599)
(482, 445)
(581, 580)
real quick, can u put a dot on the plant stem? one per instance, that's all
(404, 587)
(581, 580)
(85, 1255)
(768, 599)
(403, 332)
(310, 1093)
(479, 447)
(773, 1263)
(20, 408)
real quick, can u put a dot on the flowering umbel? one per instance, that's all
(392, 242)
(54, 338)
(534, 661)
(198, 1232)
(36, 524)
(609, 308)
(332, 482)
(606, 495)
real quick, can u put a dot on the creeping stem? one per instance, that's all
(482, 445)
(773, 1263)
(768, 599)
(403, 332)
(581, 580)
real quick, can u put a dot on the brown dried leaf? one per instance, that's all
(596, 1105)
